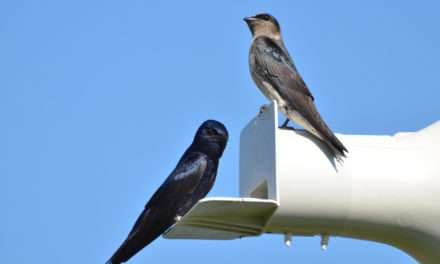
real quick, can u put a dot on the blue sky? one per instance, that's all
(98, 100)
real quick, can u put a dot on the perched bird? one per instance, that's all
(276, 76)
(189, 182)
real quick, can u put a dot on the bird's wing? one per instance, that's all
(182, 181)
(305, 106)
(277, 67)
(279, 70)
(160, 210)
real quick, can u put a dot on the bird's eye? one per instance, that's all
(211, 131)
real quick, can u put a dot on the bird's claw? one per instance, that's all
(285, 126)
(263, 108)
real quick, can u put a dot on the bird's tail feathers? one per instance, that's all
(323, 132)
(312, 121)
(338, 153)
(337, 149)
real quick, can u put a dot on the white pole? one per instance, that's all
(387, 190)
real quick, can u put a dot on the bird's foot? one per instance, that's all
(263, 108)
(285, 126)
(177, 218)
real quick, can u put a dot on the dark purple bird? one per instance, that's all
(189, 182)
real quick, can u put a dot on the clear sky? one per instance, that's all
(99, 99)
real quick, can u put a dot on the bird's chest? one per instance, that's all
(204, 186)
(258, 75)
(208, 179)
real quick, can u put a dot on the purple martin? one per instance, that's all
(189, 182)
(275, 74)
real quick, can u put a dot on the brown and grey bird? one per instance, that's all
(189, 182)
(276, 76)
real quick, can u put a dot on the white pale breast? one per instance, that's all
(272, 94)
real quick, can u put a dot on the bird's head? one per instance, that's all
(211, 138)
(263, 25)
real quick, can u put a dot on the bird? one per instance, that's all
(275, 74)
(190, 181)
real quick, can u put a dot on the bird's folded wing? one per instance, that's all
(278, 68)
(182, 180)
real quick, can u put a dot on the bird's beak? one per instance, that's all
(249, 20)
